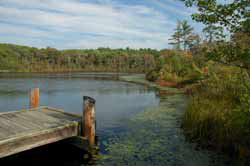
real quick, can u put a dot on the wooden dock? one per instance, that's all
(27, 129)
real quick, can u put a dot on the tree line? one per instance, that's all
(29, 59)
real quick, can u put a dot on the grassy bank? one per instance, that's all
(218, 113)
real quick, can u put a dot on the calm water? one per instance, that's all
(115, 100)
(135, 126)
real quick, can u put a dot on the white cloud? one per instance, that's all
(85, 24)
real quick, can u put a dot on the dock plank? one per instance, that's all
(24, 130)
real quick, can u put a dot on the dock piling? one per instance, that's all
(89, 119)
(34, 98)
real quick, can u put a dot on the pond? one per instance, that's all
(114, 98)
(135, 125)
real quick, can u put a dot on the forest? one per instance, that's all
(15, 58)
(213, 70)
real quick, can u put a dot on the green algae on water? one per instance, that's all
(154, 137)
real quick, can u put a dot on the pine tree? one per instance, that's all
(186, 33)
(213, 33)
(177, 36)
(182, 35)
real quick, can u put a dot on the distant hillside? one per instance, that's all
(15, 58)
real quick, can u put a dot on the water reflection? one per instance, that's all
(116, 102)
(130, 134)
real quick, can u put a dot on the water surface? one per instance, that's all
(135, 125)
(115, 100)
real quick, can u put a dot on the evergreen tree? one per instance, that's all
(213, 33)
(186, 34)
(182, 35)
(177, 36)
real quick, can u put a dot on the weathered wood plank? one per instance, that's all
(18, 121)
(61, 111)
(23, 122)
(32, 140)
(24, 130)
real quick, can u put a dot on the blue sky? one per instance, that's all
(66, 24)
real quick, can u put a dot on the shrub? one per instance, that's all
(152, 75)
(218, 114)
(180, 68)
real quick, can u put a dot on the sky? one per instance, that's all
(80, 24)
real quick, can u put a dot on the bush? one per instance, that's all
(152, 75)
(218, 114)
(180, 68)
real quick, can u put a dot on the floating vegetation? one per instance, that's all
(154, 137)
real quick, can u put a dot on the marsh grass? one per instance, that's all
(218, 116)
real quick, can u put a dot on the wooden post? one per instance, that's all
(34, 98)
(89, 119)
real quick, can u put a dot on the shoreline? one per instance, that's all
(159, 128)
(171, 107)
(140, 79)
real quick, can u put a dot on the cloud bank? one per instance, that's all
(68, 24)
